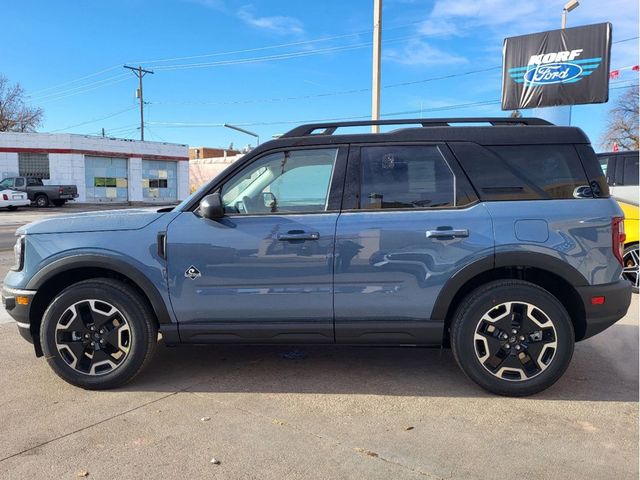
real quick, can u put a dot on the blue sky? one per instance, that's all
(262, 64)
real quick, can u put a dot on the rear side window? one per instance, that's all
(405, 176)
(527, 172)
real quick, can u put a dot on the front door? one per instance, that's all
(410, 223)
(262, 273)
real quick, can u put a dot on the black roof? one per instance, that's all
(497, 131)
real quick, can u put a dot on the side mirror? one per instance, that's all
(211, 207)
(269, 200)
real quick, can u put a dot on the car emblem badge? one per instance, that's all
(192, 273)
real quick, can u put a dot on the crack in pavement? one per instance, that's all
(86, 427)
(335, 442)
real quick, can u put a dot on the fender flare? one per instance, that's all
(536, 260)
(105, 262)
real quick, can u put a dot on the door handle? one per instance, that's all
(298, 235)
(449, 232)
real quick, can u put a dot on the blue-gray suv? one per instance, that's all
(495, 237)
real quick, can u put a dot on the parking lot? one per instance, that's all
(316, 412)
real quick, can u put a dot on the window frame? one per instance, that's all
(353, 179)
(334, 201)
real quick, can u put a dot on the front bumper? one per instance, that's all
(617, 298)
(14, 303)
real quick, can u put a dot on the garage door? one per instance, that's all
(159, 180)
(106, 179)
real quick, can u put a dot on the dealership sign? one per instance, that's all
(559, 67)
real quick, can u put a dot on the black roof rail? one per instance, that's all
(328, 128)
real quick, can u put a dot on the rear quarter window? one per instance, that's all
(524, 172)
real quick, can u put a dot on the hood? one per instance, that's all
(102, 221)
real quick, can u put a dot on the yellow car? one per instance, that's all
(621, 170)
(631, 254)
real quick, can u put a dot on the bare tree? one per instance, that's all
(15, 114)
(623, 123)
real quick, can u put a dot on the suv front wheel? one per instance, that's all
(512, 337)
(98, 334)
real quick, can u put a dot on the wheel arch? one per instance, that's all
(552, 274)
(62, 273)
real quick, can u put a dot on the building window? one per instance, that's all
(33, 165)
(159, 180)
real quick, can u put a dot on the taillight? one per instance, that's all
(5, 196)
(618, 237)
(61, 190)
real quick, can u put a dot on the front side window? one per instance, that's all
(20, 182)
(295, 181)
(405, 176)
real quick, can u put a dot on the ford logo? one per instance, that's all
(549, 73)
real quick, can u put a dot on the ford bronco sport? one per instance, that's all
(494, 236)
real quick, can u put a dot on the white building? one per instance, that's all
(104, 169)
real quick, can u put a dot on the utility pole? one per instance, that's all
(375, 80)
(140, 72)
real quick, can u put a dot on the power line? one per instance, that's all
(99, 72)
(79, 92)
(231, 52)
(285, 122)
(279, 56)
(281, 45)
(331, 93)
(97, 82)
(80, 89)
(110, 115)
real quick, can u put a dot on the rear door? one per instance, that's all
(410, 222)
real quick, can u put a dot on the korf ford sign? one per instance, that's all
(559, 67)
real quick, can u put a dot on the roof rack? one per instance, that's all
(330, 127)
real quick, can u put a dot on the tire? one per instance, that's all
(59, 203)
(41, 200)
(540, 338)
(12, 208)
(631, 262)
(78, 312)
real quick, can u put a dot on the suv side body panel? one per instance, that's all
(576, 232)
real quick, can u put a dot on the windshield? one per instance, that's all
(6, 183)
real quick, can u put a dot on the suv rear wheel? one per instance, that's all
(98, 334)
(631, 261)
(512, 337)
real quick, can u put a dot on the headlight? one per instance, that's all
(18, 252)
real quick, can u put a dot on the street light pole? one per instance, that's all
(570, 5)
(233, 127)
(375, 80)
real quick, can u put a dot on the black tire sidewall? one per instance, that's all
(129, 304)
(45, 203)
(481, 301)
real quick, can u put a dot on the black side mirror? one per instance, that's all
(211, 207)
